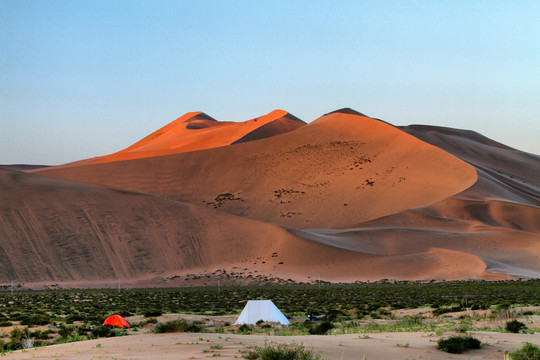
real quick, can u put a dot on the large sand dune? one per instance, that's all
(341, 169)
(346, 197)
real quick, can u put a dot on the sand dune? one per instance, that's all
(342, 169)
(81, 233)
(346, 197)
(197, 131)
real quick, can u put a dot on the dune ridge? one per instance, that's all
(198, 131)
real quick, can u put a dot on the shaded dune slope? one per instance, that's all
(341, 169)
(57, 231)
(496, 219)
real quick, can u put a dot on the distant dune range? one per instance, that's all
(345, 197)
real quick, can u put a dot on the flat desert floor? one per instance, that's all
(225, 346)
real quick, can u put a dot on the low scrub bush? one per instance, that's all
(321, 329)
(281, 352)
(103, 331)
(35, 319)
(180, 325)
(245, 329)
(73, 317)
(445, 310)
(153, 313)
(458, 344)
(527, 352)
(515, 326)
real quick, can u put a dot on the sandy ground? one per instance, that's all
(222, 346)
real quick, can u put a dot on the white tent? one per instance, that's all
(264, 310)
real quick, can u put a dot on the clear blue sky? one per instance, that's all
(86, 78)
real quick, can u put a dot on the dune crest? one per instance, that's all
(195, 131)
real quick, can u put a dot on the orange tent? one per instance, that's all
(117, 321)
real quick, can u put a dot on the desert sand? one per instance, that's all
(346, 197)
(379, 346)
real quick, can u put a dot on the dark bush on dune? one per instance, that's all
(177, 326)
(281, 352)
(245, 329)
(515, 326)
(103, 331)
(153, 313)
(321, 329)
(527, 352)
(458, 344)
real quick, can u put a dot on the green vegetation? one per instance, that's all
(92, 306)
(177, 326)
(281, 352)
(458, 344)
(322, 328)
(72, 315)
(527, 352)
(515, 326)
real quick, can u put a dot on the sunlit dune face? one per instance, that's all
(198, 131)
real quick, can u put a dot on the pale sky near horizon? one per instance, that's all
(86, 78)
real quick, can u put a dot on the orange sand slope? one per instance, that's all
(197, 131)
(347, 196)
(341, 169)
(81, 233)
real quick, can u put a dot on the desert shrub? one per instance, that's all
(41, 335)
(5, 323)
(515, 326)
(334, 314)
(245, 329)
(528, 312)
(35, 319)
(17, 338)
(458, 344)
(321, 329)
(125, 313)
(411, 322)
(73, 317)
(527, 352)
(444, 310)
(180, 325)
(65, 331)
(102, 331)
(281, 352)
(504, 305)
(145, 322)
(153, 313)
